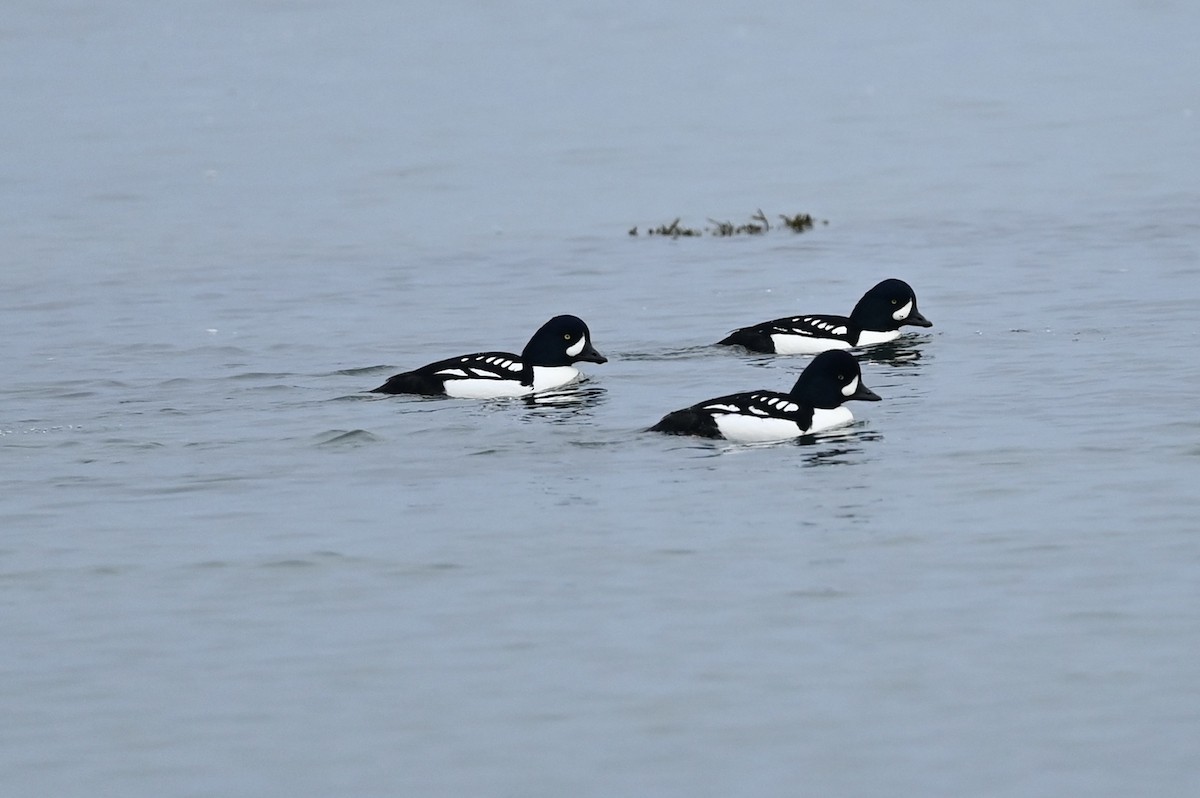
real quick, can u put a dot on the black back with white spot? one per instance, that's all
(763, 404)
(431, 380)
(758, 338)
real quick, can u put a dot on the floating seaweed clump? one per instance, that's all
(800, 222)
(757, 225)
(673, 230)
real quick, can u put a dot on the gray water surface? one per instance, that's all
(225, 569)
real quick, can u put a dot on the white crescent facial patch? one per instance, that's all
(850, 388)
(902, 313)
(578, 346)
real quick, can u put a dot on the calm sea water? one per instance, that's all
(227, 570)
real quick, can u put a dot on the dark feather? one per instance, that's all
(419, 382)
(756, 339)
(689, 421)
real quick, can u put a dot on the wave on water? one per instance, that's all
(345, 438)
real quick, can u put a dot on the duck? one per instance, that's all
(814, 404)
(547, 362)
(876, 319)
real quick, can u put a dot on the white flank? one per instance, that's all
(493, 388)
(824, 419)
(722, 408)
(578, 346)
(743, 428)
(804, 345)
(851, 387)
(753, 429)
(872, 337)
(547, 377)
(902, 313)
(450, 373)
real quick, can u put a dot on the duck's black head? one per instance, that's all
(889, 306)
(832, 378)
(560, 342)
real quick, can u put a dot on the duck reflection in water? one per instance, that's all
(901, 352)
(564, 404)
(837, 447)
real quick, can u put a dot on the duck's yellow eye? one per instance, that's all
(566, 336)
(841, 378)
(895, 301)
